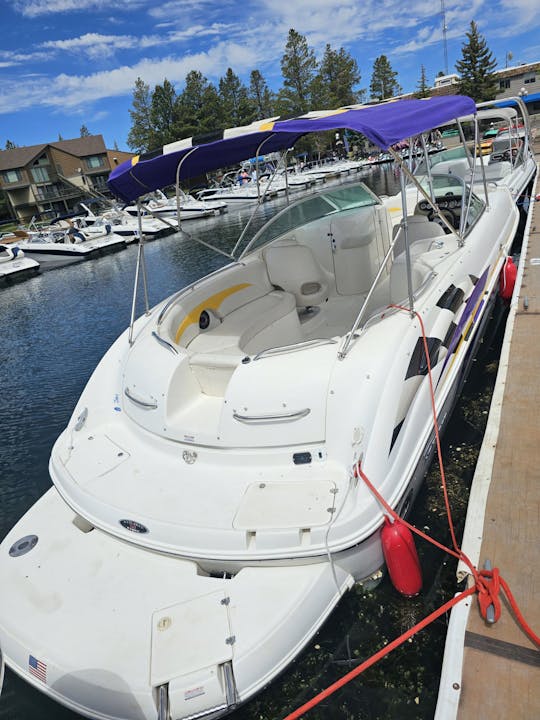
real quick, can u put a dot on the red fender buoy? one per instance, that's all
(401, 557)
(507, 280)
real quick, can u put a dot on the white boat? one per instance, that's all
(58, 246)
(159, 205)
(205, 516)
(127, 226)
(511, 161)
(14, 265)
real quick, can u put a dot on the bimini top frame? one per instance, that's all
(384, 124)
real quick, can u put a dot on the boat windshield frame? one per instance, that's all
(320, 204)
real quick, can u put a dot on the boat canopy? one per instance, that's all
(493, 113)
(384, 124)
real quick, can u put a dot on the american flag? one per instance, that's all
(37, 668)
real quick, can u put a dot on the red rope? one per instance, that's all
(487, 583)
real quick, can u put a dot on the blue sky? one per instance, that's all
(65, 63)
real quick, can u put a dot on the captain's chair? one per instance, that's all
(295, 269)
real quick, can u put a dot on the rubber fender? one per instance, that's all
(401, 557)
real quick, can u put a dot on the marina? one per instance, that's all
(137, 393)
(91, 297)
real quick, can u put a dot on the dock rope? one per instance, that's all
(487, 583)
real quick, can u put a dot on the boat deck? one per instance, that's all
(499, 675)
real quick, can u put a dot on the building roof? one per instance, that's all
(80, 147)
(517, 70)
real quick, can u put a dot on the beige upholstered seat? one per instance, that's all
(295, 269)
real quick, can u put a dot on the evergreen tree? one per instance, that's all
(422, 89)
(333, 85)
(237, 108)
(476, 67)
(60, 138)
(140, 134)
(298, 66)
(163, 115)
(10, 145)
(384, 82)
(198, 107)
(260, 95)
(84, 132)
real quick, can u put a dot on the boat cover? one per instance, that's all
(384, 124)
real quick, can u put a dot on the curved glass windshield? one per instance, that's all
(311, 209)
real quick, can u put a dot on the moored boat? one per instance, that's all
(14, 265)
(57, 246)
(206, 516)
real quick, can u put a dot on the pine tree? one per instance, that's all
(333, 85)
(422, 89)
(10, 145)
(163, 115)
(140, 134)
(84, 132)
(298, 66)
(60, 138)
(237, 108)
(476, 67)
(261, 96)
(384, 82)
(198, 107)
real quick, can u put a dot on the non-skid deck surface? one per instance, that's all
(501, 671)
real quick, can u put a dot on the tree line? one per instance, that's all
(161, 115)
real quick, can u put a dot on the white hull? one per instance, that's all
(282, 585)
(103, 668)
(206, 516)
(57, 254)
(18, 268)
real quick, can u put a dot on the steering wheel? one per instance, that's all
(449, 215)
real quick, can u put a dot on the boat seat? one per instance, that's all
(419, 271)
(294, 268)
(418, 228)
(269, 321)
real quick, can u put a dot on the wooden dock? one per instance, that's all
(493, 670)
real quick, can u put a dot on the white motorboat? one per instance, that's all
(126, 225)
(14, 265)
(160, 206)
(511, 159)
(58, 246)
(206, 516)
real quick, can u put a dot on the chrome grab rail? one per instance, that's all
(81, 420)
(231, 694)
(164, 342)
(139, 401)
(163, 703)
(265, 419)
(293, 348)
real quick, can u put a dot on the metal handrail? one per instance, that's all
(265, 419)
(139, 401)
(164, 342)
(282, 349)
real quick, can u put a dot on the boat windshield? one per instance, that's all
(444, 156)
(310, 209)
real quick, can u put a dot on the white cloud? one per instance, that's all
(35, 8)
(71, 92)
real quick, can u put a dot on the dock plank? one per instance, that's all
(496, 684)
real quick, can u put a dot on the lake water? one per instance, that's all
(54, 329)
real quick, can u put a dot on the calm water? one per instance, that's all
(54, 329)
